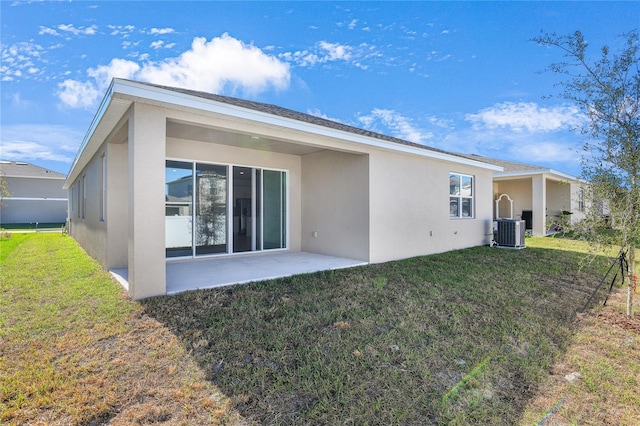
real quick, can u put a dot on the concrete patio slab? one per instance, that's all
(193, 274)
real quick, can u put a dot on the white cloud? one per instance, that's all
(160, 44)
(545, 152)
(323, 52)
(25, 142)
(335, 51)
(19, 60)
(70, 28)
(223, 64)
(352, 24)
(398, 125)
(121, 30)
(48, 31)
(77, 94)
(161, 31)
(121, 68)
(526, 117)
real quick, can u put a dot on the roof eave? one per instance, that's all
(134, 91)
(104, 105)
(536, 172)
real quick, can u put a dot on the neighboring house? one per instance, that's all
(36, 194)
(545, 199)
(167, 173)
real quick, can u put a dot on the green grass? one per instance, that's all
(74, 350)
(476, 336)
(457, 338)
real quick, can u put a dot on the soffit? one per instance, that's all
(180, 130)
(104, 122)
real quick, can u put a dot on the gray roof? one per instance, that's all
(27, 170)
(508, 166)
(299, 116)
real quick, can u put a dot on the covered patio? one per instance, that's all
(212, 272)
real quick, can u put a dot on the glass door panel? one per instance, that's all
(242, 209)
(211, 209)
(178, 195)
(258, 209)
(274, 209)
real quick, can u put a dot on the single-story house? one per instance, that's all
(35, 194)
(167, 174)
(546, 199)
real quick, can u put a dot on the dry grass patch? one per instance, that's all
(75, 351)
(597, 381)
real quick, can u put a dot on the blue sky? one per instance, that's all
(459, 76)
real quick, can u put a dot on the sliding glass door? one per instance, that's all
(213, 208)
(178, 195)
(274, 217)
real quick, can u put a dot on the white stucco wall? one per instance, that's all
(90, 231)
(409, 198)
(335, 204)
(364, 201)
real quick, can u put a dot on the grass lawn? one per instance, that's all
(75, 351)
(477, 336)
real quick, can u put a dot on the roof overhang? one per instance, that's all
(551, 173)
(121, 94)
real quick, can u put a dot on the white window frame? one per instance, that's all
(460, 197)
(259, 210)
(103, 187)
(83, 208)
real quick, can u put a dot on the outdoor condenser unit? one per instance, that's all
(509, 233)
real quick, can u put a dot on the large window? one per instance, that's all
(460, 196)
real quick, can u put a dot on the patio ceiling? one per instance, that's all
(181, 130)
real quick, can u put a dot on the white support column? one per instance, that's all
(539, 189)
(147, 146)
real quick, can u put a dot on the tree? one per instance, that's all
(606, 88)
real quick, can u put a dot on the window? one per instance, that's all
(71, 205)
(460, 196)
(103, 187)
(79, 198)
(581, 200)
(83, 206)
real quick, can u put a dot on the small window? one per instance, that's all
(581, 200)
(103, 187)
(83, 206)
(79, 198)
(461, 192)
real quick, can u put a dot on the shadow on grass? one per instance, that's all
(461, 337)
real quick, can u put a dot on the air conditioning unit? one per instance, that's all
(509, 233)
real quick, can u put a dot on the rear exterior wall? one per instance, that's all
(409, 205)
